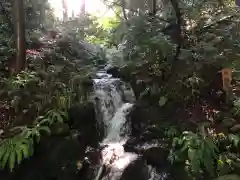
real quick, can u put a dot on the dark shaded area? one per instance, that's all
(136, 170)
(60, 155)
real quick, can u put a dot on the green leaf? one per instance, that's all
(235, 139)
(210, 145)
(12, 160)
(185, 146)
(19, 155)
(45, 128)
(30, 147)
(191, 154)
(47, 121)
(5, 157)
(208, 162)
(175, 142)
(2, 151)
(194, 159)
(25, 150)
(37, 135)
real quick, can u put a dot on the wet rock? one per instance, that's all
(155, 152)
(136, 170)
(157, 156)
(138, 120)
(82, 117)
(90, 164)
(130, 145)
(84, 167)
(128, 94)
(87, 82)
(179, 172)
(151, 133)
(114, 71)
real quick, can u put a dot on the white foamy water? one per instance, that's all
(113, 112)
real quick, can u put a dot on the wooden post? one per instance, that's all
(227, 87)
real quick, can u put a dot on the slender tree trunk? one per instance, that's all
(43, 13)
(82, 14)
(175, 5)
(19, 28)
(154, 7)
(83, 7)
(65, 10)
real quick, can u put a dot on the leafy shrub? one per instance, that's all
(40, 96)
(204, 151)
(14, 150)
(198, 149)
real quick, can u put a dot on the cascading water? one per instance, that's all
(112, 111)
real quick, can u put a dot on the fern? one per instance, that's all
(52, 116)
(15, 150)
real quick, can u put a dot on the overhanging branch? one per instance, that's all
(133, 10)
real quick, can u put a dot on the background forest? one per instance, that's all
(170, 51)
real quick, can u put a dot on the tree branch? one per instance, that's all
(111, 7)
(172, 73)
(132, 10)
(178, 15)
(206, 27)
(123, 10)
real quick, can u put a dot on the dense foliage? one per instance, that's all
(171, 57)
(179, 70)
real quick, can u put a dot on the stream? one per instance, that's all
(114, 101)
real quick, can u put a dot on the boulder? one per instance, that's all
(82, 117)
(114, 71)
(136, 170)
(157, 156)
(138, 119)
(154, 152)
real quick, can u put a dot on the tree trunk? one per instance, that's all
(83, 7)
(154, 7)
(175, 5)
(65, 10)
(19, 28)
(43, 13)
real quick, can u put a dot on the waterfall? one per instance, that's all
(112, 111)
(113, 102)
